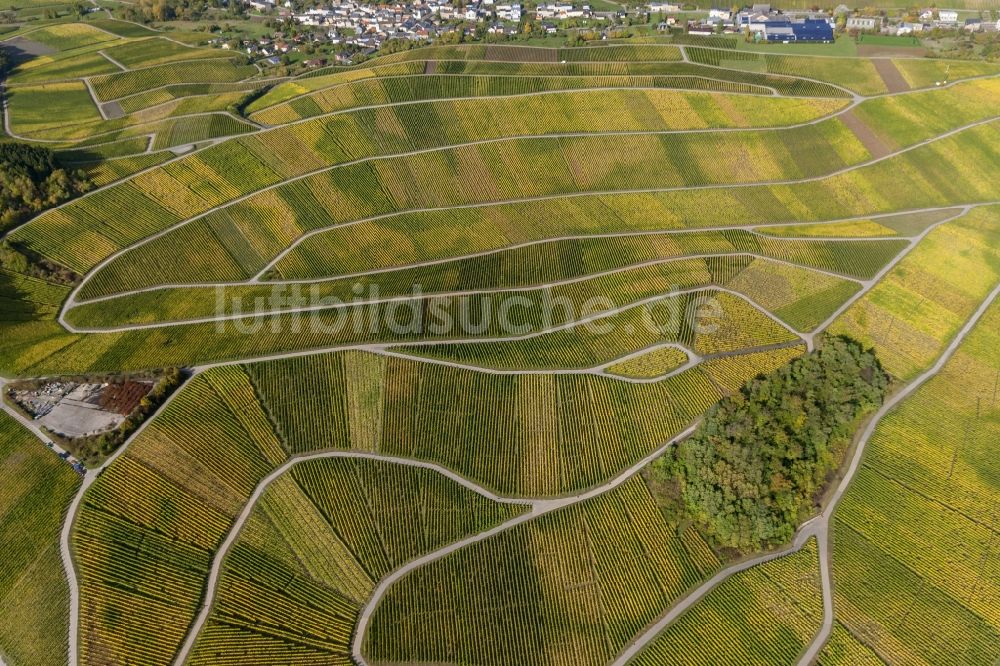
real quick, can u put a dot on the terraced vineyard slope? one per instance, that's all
(436, 313)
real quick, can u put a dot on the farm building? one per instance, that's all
(807, 30)
(864, 22)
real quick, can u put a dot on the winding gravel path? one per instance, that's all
(214, 573)
(27, 423)
(113, 62)
(70, 144)
(381, 347)
(539, 507)
(819, 525)
(6, 121)
(257, 279)
(245, 85)
(831, 508)
(65, 547)
(115, 132)
(71, 300)
(752, 228)
(816, 527)
(599, 370)
(869, 284)
(97, 102)
(323, 307)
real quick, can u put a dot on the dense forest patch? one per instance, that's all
(31, 180)
(750, 473)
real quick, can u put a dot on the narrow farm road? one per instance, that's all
(6, 120)
(113, 61)
(539, 507)
(855, 96)
(213, 578)
(754, 228)
(819, 525)
(26, 423)
(949, 351)
(381, 347)
(869, 284)
(805, 532)
(326, 306)
(149, 149)
(115, 132)
(65, 547)
(597, 370)
(95, 100)
(237, 86)
(547, 197)
(603, 314)
(64, 550)
(108, 32)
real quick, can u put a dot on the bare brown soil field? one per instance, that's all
(875, 145)
(894, 81)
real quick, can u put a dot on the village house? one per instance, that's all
(561, 10)
(864, 23)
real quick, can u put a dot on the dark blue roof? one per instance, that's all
(812, 27)
(808, 29)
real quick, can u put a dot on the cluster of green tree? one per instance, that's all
(21, 260)
(145, 11)
(757, 464)
(31, 180)
(963, 45)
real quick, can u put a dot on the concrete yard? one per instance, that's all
(78, 413)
